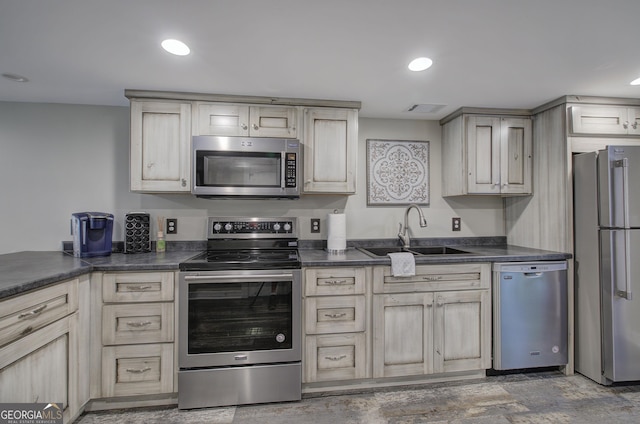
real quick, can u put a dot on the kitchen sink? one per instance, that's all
(382, 251)
(377, 252)
(437, 250)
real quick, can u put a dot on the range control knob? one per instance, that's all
(217, 226)
(228, 226)
(287, 227)
(276, 226)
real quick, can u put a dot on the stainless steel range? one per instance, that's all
(239, 315)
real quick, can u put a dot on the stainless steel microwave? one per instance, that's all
(245, 167)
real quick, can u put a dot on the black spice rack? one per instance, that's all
(136, 236)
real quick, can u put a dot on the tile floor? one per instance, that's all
(540, 397)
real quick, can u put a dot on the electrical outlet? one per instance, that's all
(315, 225)
(172, 226)
(455, 224)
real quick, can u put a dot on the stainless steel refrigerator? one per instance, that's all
(607, 264)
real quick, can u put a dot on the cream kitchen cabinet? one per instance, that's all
(330, 150)
(486, 154)
(335, 324)
(134, 333)
(228, 119)
(605, 120)
(160, 146)
(42, 353)
(437, 321)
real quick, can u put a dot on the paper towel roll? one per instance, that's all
(336, 232)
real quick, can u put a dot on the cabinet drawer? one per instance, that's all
(137, 369)
(26, 313)
(335, 357)
(334, 281)
(434, 278)
(335, 314)
(135, 323)
(137, 287)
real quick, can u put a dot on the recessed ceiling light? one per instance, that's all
(635, 81)
(15, 77)
(420, 64)
(176, 47)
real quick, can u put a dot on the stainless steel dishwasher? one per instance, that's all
(529, 314)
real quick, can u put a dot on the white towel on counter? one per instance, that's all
(403, 264)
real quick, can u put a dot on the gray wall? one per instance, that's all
(58, 159)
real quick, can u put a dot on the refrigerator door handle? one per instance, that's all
(626, 293)
(624, 164)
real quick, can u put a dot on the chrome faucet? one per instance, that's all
(402, 232)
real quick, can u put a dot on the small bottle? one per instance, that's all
(160, 243)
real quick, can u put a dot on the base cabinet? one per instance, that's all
(335, 357)
(364, 326)
(403, 334)
(335, 325)
(134, 333)
(137, 369)
(45, 362)
(437, 321)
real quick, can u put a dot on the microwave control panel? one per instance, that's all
(291, 171)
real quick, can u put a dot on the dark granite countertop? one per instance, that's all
(24, 271)
(498, 253)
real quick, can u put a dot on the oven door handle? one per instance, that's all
(226, 278)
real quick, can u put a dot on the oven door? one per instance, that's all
(239, 317)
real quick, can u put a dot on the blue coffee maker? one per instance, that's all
(92, 233)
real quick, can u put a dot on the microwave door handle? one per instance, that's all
(283, 169)
(84, 233)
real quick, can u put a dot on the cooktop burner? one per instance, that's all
(242, 259)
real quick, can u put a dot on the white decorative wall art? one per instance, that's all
(397, 172)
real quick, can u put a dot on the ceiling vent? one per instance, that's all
(424, 108)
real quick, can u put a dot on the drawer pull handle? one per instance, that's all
(432, 278)
(27, 330)
(32, 313)
(340, 315)
(138, 324)
(336, 282)
(138, 370)
(140, 288)
(335, 358)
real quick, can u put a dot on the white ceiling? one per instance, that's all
(486, 53)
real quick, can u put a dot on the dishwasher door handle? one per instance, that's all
(532, 274)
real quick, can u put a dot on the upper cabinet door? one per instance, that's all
(271, 121)
(221, 119)
(160, 139)
(330, 150)
(634, 120)
(483, 149)
(515, 156)
(238, 120)
(611, 120)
